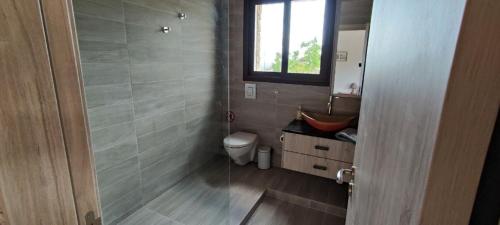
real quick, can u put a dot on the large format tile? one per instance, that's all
(273, 211)
(147, 217)
(122, 207)
(155, 187)
(199, 69)
(103, 52)
(142, 35)
(105, 73)
(116, 154)
(201, 198)
(163, 5)
(106, 9)
(117, 173)
(144, 91)
(161, 138)
(154, 54)
(105, 116)
(111, 136)
(107, 95)
(140, 15)
(159, 122)
(156, 155)
(95, 29)
(151, 72)
(122, 187)
(158, 106)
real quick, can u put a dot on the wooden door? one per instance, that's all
(46, 175)
(430, 98)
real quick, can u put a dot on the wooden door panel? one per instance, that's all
(35, 182)
(61, 36)
(430, 100)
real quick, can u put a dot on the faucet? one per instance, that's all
(330, 105)
(331, 100)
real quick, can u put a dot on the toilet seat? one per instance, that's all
(239, 140)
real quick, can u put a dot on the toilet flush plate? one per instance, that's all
(250, 91)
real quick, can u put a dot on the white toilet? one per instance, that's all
(241, 147)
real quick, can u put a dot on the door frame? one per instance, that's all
(462, 140)
(60, 29)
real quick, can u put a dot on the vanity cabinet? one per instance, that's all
(316, 155)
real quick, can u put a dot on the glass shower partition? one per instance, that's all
(155, 77)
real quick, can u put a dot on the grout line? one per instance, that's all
(132, 106)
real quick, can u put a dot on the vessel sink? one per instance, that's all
(327, 123)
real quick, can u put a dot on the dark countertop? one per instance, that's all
(301, 127)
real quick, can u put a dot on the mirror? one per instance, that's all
(351, 46)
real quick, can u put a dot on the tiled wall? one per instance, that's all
(276, 104)
(154, 100)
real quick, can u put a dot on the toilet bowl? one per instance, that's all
(241, 147)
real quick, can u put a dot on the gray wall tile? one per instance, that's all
(142, 35)
(107, 95)
(103, 52)
(140, 15)
(160, 138)
(154, 100)
(148, 158)
(105, 116)
(96, 29)
(105, 138)
(151, 72)
(120, 189)
(144, 91)
(122, 207)
(159, 122)
(116, 154)
(168, 164)
(105, 73)
(107, 9)
(157, 106)
(163, 5)
(114, 174)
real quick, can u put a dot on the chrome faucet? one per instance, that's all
(330, 105)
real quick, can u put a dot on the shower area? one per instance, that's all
(156, 87)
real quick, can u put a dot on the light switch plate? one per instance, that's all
(250, 91)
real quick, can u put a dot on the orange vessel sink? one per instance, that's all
(327, 123)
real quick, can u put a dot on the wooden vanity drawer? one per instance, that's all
(320, 147)
(313, 165)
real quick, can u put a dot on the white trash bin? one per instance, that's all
(264, 157)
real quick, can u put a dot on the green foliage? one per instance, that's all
(310, 62)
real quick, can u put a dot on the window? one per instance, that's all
(289, 41)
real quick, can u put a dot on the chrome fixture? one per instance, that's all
(330, 104)
(182, 16)
(341, 179)
(165, 30)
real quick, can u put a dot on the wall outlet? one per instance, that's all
(250, 91)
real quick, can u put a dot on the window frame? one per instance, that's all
(321, 79)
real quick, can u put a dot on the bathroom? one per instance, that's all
(161, 79)
(247, 112)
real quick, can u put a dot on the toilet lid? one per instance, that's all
(239, 139)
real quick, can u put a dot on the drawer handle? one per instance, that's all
(318, 167)
(322, 148)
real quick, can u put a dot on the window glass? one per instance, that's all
(268, 37)
(306, 36)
